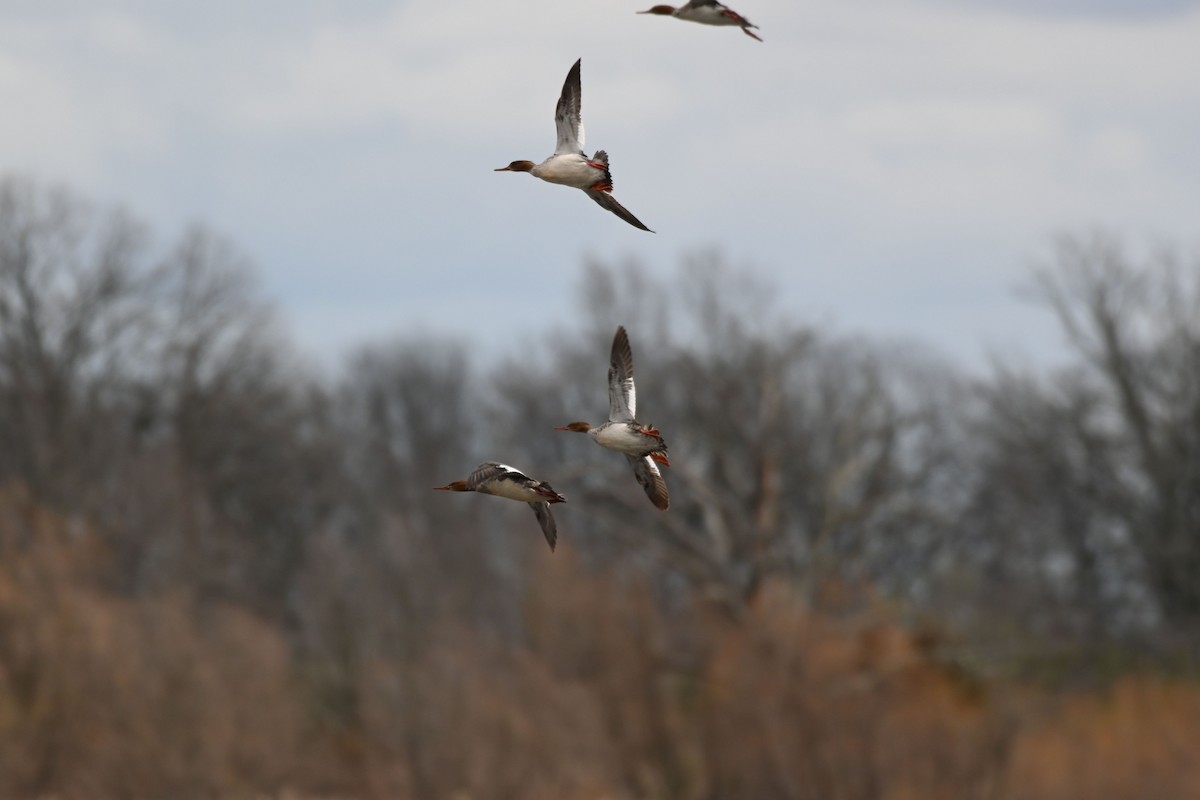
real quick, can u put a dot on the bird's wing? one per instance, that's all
(606, 201)
(601, 192)
(546, 520)
(622, 394)
(486, 472)
(651, 479)
(567, 120)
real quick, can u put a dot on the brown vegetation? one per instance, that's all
(164, 696)
(103, 696)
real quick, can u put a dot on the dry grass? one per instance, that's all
(1136, 740)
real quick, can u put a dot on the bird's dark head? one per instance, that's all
(517, 166)
(664, 10)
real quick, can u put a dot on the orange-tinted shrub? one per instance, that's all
(103, 696)
(1137, 740)
(604, 694)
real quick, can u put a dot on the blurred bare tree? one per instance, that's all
(1136, 328)
(152, 396)
(1090, 478)
(67, 319)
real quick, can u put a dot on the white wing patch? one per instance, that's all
(622, 394)
(567, 121)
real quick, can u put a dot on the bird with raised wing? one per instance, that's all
(492, 477)
(569, 165)
(706, 12)
(642, 444)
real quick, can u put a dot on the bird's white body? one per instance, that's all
(569, 169)
(624, 437)
(512, 485)
(706, 15)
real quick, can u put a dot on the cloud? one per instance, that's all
(909, 146)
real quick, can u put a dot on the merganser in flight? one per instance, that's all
(569, 166)
(492, 477)
(641, 444)
(706, 12)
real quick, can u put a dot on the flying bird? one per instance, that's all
(706, 12)
(492, 477)
(569, 165)
(642, 444)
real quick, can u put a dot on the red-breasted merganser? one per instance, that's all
(492, 477)
(569, 166)
(641, 444)
(706, 12)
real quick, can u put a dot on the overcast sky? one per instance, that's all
(894, 165)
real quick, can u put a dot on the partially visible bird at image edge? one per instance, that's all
(706, 12)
